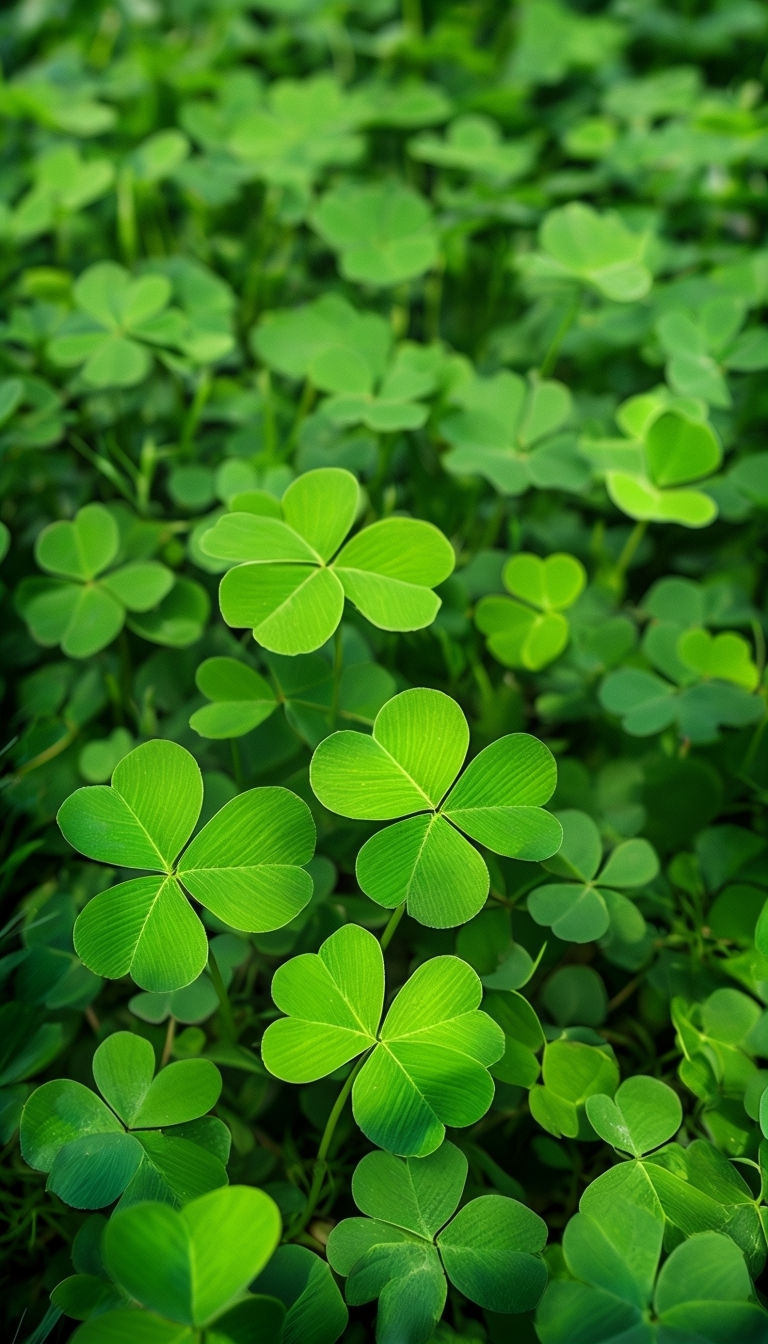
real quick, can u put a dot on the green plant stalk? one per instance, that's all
(412, 18)
(566, 322)
(627, 555)
(230, 1029)
(320, 1164)
(127, 232)
(194, 413)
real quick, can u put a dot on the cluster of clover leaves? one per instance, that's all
(184, 1256)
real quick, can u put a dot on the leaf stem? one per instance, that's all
(338, 665)
(569, 316)
(321, 1165)
(230, 1029)
(391, 926)
(627, 554)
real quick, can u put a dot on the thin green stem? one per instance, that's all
(566, 322)
(221, 993)
(391, 926)
(194, 412)
(619, 570)
(338, 667)
(321, 1165)
(412, 18)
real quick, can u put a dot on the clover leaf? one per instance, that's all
(578, 243)
(511, 433)
(117, 318)
(700, 345)
(64, 183)
(726, 656)
(95, 1151)
(84, 607)
(582, 908)
(532, 632)
(407, 768)
(409, 1242)
(677, 452)
(426, 1065)
(315, 1310)
(240, 698)
(245, 865)
(190, 1267)
(473, 144)
(328, 341)
(642, 1115)
(303, 126)
(396, 402)
(648, 703)
(296, 571)
(383, 231)
(571, 1071)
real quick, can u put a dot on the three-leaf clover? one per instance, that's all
(127, 1145)
(473, 144)
(189, 1270)
(510, 432)
(328, 342)
(578, 243)
(383, 231)
(407, 768)
(581, 908)
(571, 1071)
(700, 345)
(412, 1239)
(63, 184)
(83, 607)
(533, 631)
(426, 1065)
(117, 318)
(296, 571)
(245, 865)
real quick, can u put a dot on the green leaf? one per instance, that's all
(80, 549)
(551, 584)
(425, 862)
(490, 1253)
(291, 608)
(708, 1267)
(245, 864)
(123, 1068)
(93, 1170)
(56, 1114)
(241, 699)
(640, 499)
(727, 656)
(190, 1265)
(679, 450)
(389, 569)
(518, 636)
(418, 745)
(303, 1282)
(146, 816)
(429, 1068)
(571, 1072)
(498, 799)
(321, 506)
(596, 249)
(642, 1115)
(382, 230)
(418, 1194)
(129, 1326)
(144, 928)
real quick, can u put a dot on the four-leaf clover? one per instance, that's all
(407, 768)
(245, 865)
(427, 1064)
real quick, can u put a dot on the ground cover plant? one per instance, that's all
(382, 561)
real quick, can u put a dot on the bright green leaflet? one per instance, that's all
(580, 909)
(579, 244)
(571, 1072)
(412, 1238)
(116, 319)
(315, 1310)
(408, 766)
(94, 1154)
(383, 232)
(678, 452)
(291, 579)
(82, 608)
(642, 1115)
(533, 632)
(428, 1061)
(245, 865)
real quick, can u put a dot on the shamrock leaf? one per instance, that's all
(117, 318)
(578, 243)
(191, 1267)
(473, 144)
(571, 1072)
(241, 699)
(30, 414)
(532, 632)
(396, 402)
(725, 656)
(63, 184)
(582, 908)
(426, 1065)
(642, 1115)
(303, 126)
(327, 342)
(510, 433)
(399, 1254)
(290, 589)
(383, 231)
(407, 768)
(700, 345)
(648, 703)
(677, 451)
(315, 1311)
(245, 865)
(83, 608)
(95, 1152)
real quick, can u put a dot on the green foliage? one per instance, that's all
(382, 464)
